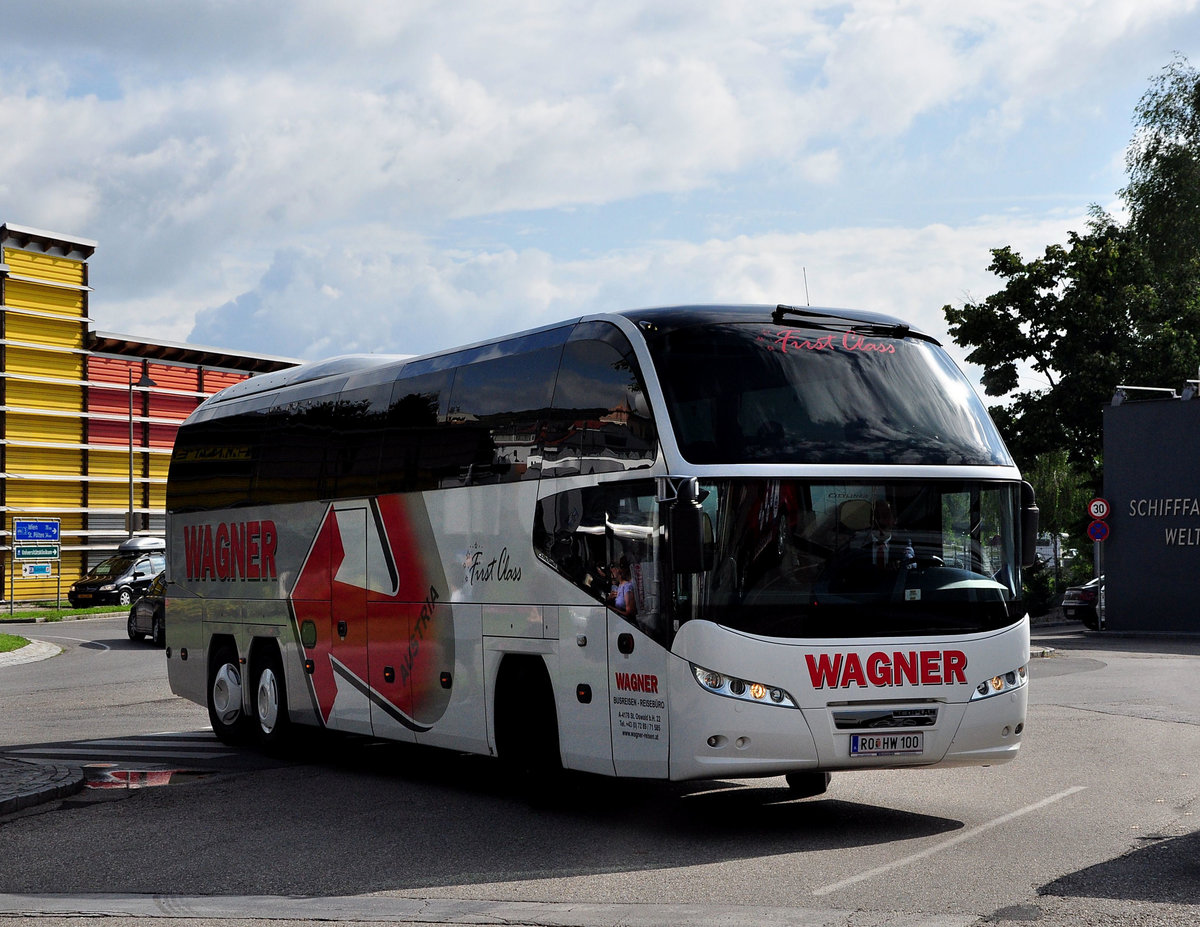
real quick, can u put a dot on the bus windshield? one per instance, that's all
(768, 393)
(801, 558)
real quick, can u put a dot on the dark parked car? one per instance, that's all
(148, 615)
(121, 579)
(1083, 602)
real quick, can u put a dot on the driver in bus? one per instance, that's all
(886, 552)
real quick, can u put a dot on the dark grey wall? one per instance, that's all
(1152, 483)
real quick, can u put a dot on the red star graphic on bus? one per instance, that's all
(383, 649)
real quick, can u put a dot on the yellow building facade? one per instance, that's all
(87, 418)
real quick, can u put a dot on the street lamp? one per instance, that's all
(144, 383)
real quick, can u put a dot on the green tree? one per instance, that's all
(1073, 318)
(1118, 303)
(1062, 495)
(1163, 194)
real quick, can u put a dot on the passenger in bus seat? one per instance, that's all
(621, 598)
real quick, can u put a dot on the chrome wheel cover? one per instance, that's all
(267, 700)
(227, 693)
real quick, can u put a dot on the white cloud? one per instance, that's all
(407, 297)
(340, 177)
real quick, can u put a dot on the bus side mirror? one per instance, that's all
(1029, 526)
(685, 529)
(689, 531)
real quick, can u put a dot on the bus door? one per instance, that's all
(584, 722)
(638, 699)
(348, 631)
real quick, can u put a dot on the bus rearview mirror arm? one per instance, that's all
(1029, 526)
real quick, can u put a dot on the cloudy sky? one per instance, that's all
(315, 178)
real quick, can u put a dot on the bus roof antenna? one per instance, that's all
(807, 301)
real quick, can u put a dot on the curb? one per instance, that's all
(24, 784)
(30, 653)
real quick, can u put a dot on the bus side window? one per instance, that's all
(585, 533)
(600, 419)
(497, 405)
(417, 451)
(361, 415)
(212, 463)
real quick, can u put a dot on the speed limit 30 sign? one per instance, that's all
(1098, 509)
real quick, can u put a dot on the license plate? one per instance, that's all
(1068, 610)
(83, 595)
(886, 744)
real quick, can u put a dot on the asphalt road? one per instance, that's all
(1093, 824)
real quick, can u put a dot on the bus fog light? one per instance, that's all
(737, 687)
(742, 743)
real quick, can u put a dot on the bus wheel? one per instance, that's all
(225, 695)
(270, 701)
(808, 783)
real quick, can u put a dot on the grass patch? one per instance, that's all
(51, 613)
(10, 642)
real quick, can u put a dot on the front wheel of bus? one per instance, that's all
(270, 703)
(808, 783)
(225, 695)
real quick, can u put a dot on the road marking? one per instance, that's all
(946, 844)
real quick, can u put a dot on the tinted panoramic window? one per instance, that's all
(600, 420)
(418, 451)
(361, 416)
(496, 410)
(767, 393)
(212, 462)
(297, 452)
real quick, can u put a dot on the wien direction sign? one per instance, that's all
(36, 539)
(35, 529)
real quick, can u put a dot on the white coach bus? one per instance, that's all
(676, 543)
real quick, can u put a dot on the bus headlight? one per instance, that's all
(741, 689)
(997, 685)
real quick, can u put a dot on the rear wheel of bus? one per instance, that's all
(225, 711)
(269, 698)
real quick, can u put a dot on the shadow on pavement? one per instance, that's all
(368, 817)
(1166, 870)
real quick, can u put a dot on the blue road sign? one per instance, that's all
(35, 530)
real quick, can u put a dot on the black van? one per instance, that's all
(121, 579)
